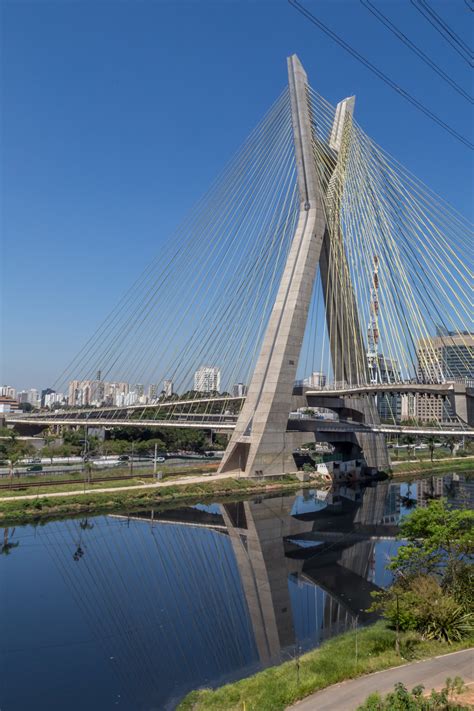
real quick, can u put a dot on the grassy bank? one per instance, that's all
(29, 484)
(31, 510)
(277, 687)
(458, 464)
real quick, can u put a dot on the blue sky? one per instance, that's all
(116, 116)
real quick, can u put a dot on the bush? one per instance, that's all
(403, 700)
(422, 605)
(448, 621)
(458, 581)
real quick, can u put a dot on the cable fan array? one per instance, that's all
(393, 273)
(398, 272)
(206, 300)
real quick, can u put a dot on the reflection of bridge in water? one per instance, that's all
(288, 548)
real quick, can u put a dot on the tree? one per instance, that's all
(436, 538)
(409, 440)
(431, 446)
(450, 443)
(12, 449)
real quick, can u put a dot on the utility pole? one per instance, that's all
(397, 637)
(154, 459)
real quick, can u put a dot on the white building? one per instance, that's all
(53, 399)
(168, 388)
(152, 393)
(96, 393)
(239, 390)
(207, 379)
(31, 396)
(7, 391)
(316, 380)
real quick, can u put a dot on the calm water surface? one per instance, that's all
(134, 611)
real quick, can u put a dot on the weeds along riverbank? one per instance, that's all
(344, 657)
(437, 466)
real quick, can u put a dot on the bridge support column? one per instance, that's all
(260, 444)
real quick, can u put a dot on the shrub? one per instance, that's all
(403, 700)
(421, 605)
(448, 621)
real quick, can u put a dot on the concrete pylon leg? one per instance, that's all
(260, 444)
(345, 338)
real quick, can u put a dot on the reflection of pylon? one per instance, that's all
(372, 567)
(373, 327)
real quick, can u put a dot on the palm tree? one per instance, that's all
(14, 455)
(409, 440)
(431, 445)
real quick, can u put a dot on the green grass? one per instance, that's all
(277, 687)
(58, 486)
(26, 511)
(458, 464)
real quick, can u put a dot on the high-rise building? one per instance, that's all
(7, 391)
(30, 396)
(316, 380)
(168, 388)
(46, 391)
(114, 393)
(95, 393)
(408, 406)
(448, 356)
(389, 405)
(52, 399)
(239, 390)
(207, 379)
(153, 393)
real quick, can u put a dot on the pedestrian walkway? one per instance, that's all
(432, 673)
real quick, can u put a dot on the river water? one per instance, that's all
(135, 610)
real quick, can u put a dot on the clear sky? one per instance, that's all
(116, 116)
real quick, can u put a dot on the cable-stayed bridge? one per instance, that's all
(314, 252)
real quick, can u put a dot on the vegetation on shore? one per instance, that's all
(433, 588)
(345, 657)
(400, 699)
(94, 478)
(438, 466)
(22, 511)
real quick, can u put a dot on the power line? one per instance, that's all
(454, 36)
(381, 75)
(470, 7)
(424, 57)
(444, 30)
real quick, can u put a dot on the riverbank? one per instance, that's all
(33, 508)
(347, 656)
(437, 466)
(37, 485)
